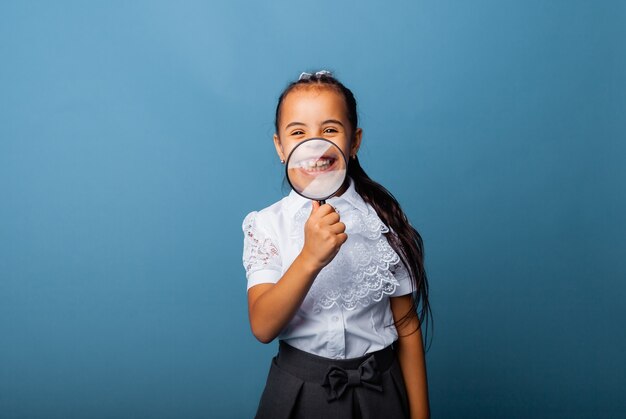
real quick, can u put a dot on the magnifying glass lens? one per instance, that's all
(316, 169)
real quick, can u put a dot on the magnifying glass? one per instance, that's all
(316, 169)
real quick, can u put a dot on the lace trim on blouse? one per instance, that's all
(365, 269)
(259, 251)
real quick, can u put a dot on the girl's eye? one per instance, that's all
(297, 132)
(330, 130)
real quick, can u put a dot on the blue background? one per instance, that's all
(135, 136)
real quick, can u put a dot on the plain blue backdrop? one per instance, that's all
(135, 137)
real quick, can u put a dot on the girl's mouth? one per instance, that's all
(317, 165)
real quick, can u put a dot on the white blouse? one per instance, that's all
(346, 313)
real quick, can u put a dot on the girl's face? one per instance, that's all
(315, 111)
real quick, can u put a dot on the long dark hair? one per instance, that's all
(403, 237)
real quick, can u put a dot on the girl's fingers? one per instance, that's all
(327, 209)
(314, 207)
(331, 218)
(337, 228)
(321, 209)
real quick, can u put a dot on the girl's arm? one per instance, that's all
(411, 357)
(272, 306)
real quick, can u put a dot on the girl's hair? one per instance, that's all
(403, 238)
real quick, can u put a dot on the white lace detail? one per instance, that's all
(259, 251)
(362, 272)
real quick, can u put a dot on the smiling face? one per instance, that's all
(315, 112)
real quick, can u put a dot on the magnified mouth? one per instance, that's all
(316, 165)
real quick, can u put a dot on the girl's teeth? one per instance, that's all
(314, 165)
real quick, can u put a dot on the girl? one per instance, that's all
(339, 284)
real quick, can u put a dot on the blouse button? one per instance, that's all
(335, 318)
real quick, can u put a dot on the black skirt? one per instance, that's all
(301, 385)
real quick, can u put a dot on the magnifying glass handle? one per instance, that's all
(322, 202)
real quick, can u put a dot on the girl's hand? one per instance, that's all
(323, 235)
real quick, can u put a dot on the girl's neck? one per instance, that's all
(344, 187)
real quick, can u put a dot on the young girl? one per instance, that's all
(339, 284)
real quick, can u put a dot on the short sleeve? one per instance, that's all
(261, 257)
(401, 274)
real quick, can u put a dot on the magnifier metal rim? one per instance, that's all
(345, 161)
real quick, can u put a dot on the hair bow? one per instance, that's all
(307, 76)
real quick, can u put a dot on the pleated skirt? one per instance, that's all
(295, 388)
